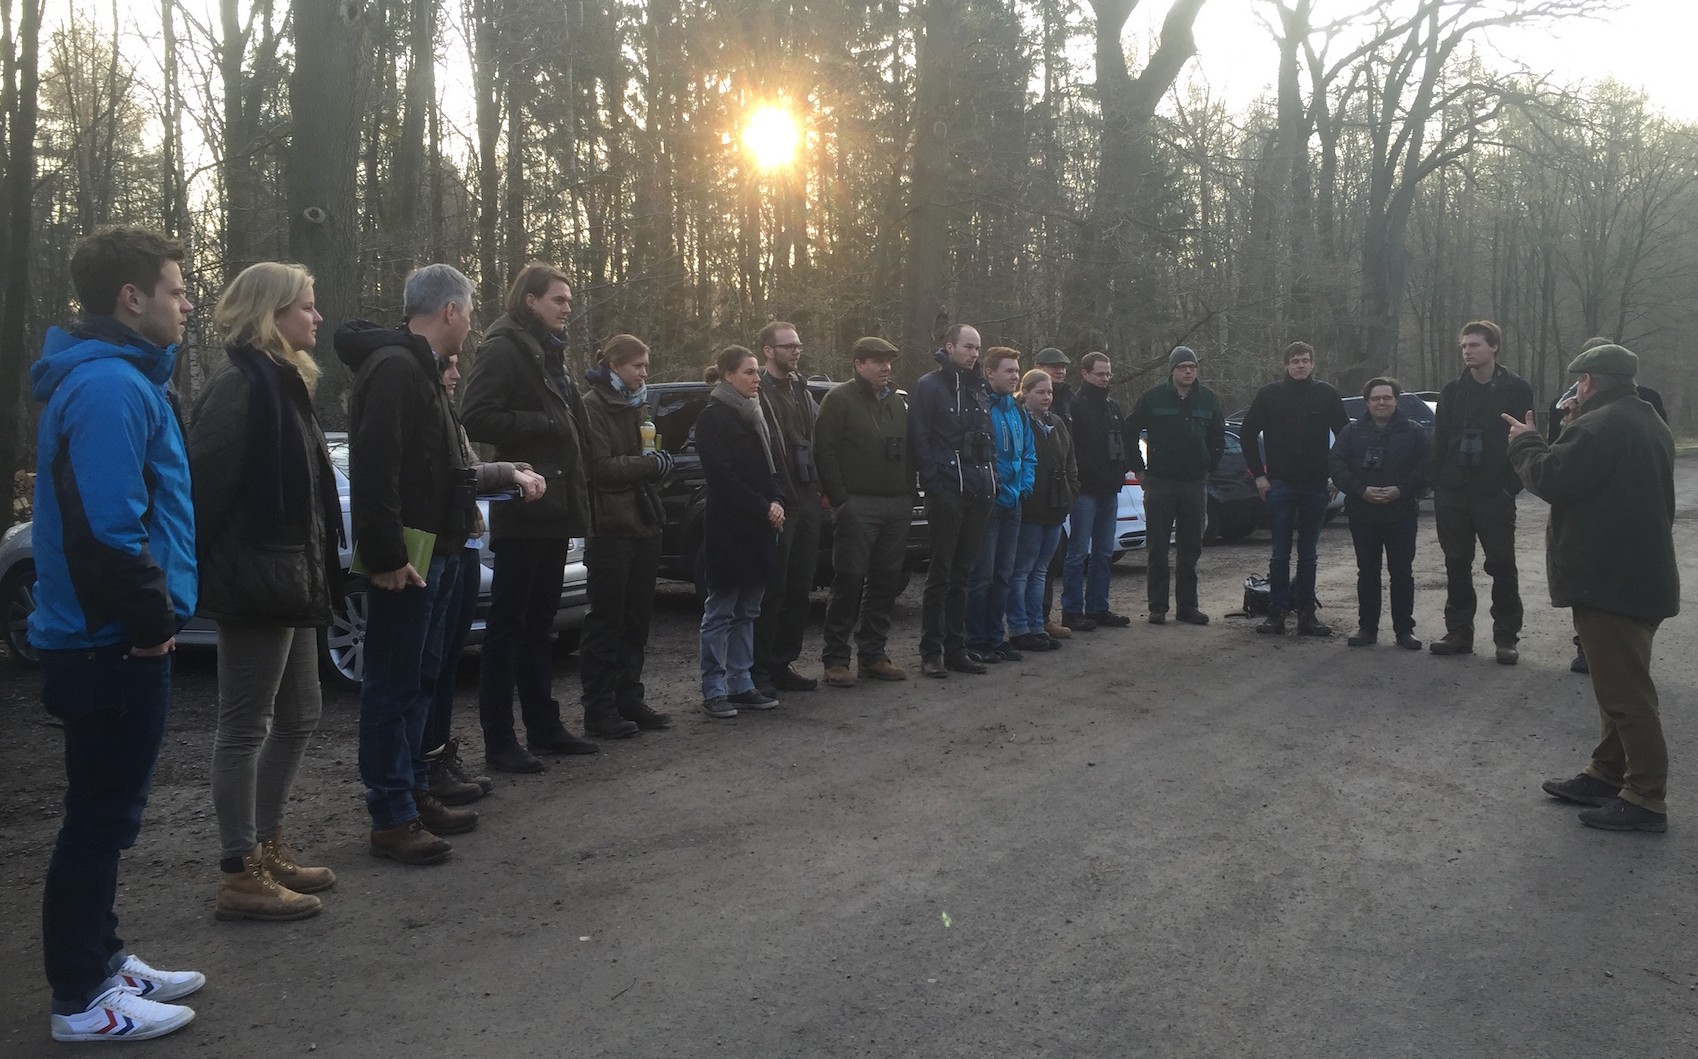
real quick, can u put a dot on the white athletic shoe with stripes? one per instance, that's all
(138, 979)
(118, 1015)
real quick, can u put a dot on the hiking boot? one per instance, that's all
(718, 707)
(512, 758)
(1583, 789)
(883, 669)
(1057, 630)
(561, 742)
(1192, 616)
(1618, 814)
(1309, 625)
(1454, 643)
(788, 679)
(449, 789)
(1108, 619)
(1507, 654)
(1157, 617)
(138, 979)
(457, 768)
(118, 1015)
(963, 662)
(1078, 622)
(1362, 638)
(608, 724)
(1274, 623)
(934, 668)
(253, 894)
(440, 819)
(280, 861)
(1580, 665)
(840, 677)
(753, 699)
(408, 843)
(1407, 641)
(647, 719)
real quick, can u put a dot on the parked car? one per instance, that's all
(675, 406)
(1235, 509)
(341, 646)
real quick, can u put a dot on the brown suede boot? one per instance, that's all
(280, 861)
(1308, 624)
(442, 820)
(253, 894)
(409, 843)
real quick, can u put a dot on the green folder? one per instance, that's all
(419, 544)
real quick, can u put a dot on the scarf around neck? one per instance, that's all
(749, 409)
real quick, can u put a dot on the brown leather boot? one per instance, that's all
(408, 843)
(1308, 624)
(884, 669)
(440, 819)
(253, 894)
(280, 861)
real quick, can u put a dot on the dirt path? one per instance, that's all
(1158, 841)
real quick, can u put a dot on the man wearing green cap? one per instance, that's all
(861, 444)
(1609, 554)
(1054, 363)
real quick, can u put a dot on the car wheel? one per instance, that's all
(1332, 513)
(342, 647)
(1211, 522)
(1236, 531)
(17, 603)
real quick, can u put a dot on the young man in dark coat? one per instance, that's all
(1103, 451)
(862, 439)
(1379, 462)
(949, 433)
(791, 413)
(520, 397)
(407, 474)
(1609, 554)
(1295, 420)
(1474, 490)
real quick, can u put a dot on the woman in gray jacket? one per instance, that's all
(267, 522)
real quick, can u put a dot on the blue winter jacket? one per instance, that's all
(949, 432)
(114, 532)
(1016, 450)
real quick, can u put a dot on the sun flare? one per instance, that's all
(772, 136)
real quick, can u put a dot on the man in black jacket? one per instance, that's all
(1296, 419)
(790, 413)
(520, 397)
(410, 505)
(1474, 489)
(1100, 447)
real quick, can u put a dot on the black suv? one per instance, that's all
(675, 406)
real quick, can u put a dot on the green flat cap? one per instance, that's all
(1606, 360)
(1051, 355)
(871, 348)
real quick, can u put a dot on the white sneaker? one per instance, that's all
(117, 1015)
(138, 979)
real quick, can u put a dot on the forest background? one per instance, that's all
(1045, 169)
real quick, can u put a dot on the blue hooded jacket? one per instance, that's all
(114, 531)
(1016, 450)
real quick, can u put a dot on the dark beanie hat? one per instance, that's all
(1180, 355)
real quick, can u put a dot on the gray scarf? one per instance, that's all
(749, 408)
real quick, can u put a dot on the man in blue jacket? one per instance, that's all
(1016, 462)
(949, 432)
(114, 541)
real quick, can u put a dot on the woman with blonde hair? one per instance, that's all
(267, 525)
(1055, 485)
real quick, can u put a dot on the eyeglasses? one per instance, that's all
(790, 347)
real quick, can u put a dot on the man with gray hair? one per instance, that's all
(1609, 553)
(412, 506)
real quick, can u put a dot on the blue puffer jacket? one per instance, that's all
(1016, 450)
(949, 432)
(114, 532)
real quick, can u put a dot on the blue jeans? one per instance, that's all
(114, 712)
(1028, 583)
(728, 639)
(1090, 539)
(1300, 509)
(987, 587)
(403, 649)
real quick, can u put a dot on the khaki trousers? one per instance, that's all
(1632, 752)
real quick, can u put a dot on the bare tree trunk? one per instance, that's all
(22, 98)
(487, 80)
(938, 53)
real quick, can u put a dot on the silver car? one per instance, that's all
(341, 646)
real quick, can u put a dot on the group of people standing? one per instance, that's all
(141, 523)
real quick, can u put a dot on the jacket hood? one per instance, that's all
(357, 340)
(948, 366)
(96, 338)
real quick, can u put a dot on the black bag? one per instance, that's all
(1256, 594)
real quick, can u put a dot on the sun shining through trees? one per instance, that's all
(771, 135)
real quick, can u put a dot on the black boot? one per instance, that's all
(608, 724)
(1274, 623)
(1308, 624)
